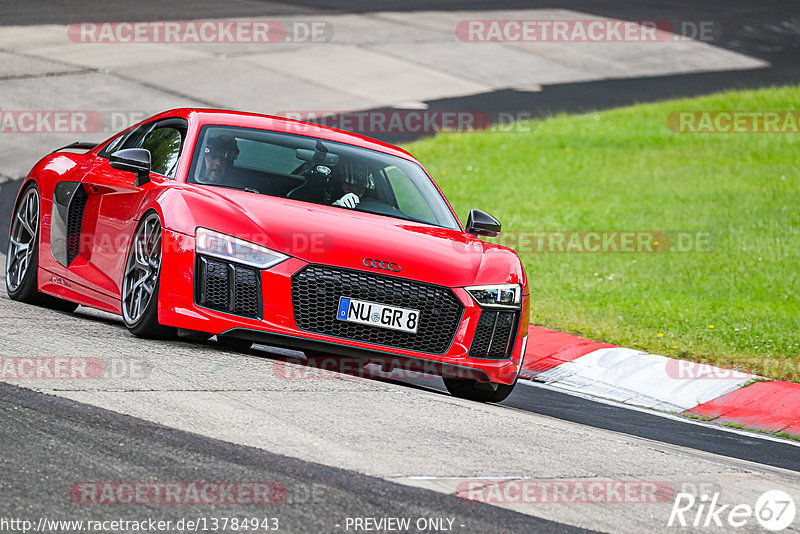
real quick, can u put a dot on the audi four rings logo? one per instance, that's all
(375, 264)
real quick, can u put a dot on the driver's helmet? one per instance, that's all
(222, 147)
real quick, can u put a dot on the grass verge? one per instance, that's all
(734, 303)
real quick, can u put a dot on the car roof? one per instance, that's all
(221, 117)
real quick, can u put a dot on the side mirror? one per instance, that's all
(135, 160)
(481, 223)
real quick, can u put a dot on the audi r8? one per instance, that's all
(258, 229)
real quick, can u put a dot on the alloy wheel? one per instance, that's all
(142, 269)
(24, 230)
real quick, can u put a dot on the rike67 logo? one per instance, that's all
(774, 510)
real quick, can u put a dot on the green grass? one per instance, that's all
(625, 170)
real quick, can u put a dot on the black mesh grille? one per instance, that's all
(246, 292)
(494, 334)
(228, 287)
(75, 223)
(316, 290)
(483, 335)
(214, 291)
(502, 332)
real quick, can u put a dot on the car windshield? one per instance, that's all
(319, 171)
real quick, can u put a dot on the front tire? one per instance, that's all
(22, 261)
(140, 283)
(478, 391)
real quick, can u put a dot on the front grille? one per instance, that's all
(316, 290)
(494, 335)
(75, 223)
(228, 287)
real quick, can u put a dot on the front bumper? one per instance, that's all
(276, 323)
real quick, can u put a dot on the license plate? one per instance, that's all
(381, 315)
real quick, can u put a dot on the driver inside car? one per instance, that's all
(353, 181)
(218, 156)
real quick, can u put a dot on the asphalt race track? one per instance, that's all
(175, 411)
(336, 447)
(79, 442)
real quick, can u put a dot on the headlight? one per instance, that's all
(497, 296)
(237, 250)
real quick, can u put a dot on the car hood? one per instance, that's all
(357, 240)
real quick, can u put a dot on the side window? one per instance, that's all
(111, 147)
(125, 140)
(164, 145)
(163, 138)
(409, 199)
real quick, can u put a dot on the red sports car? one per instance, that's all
(261, 229)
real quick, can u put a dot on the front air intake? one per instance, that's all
(495, 334)
(228, 287)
